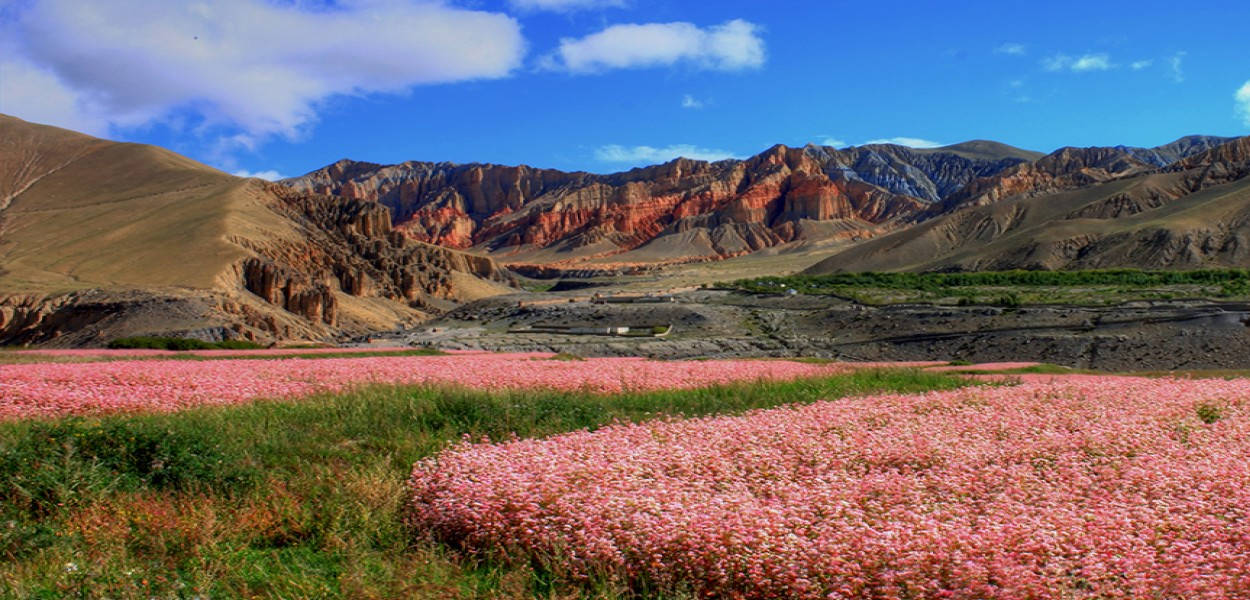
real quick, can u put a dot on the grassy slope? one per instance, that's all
(297, 500)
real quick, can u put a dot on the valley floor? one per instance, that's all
(1133, 335)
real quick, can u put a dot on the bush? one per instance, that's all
(1007, 301)
(1231, 281)
(1209, 413)
(170, 343)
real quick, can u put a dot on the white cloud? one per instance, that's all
(648, 155)
(910, 142)
(689, 101)
(270, 175)
(1011, 48)
(1177, 72)
(1092, 62)
(1141, 64)
(834, 142)
(252, 67)
(38, 95)
(1242, 98)
(1057, 62)
(564, 5)
(1079, 64)
(731, 46)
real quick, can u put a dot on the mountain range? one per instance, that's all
(101, 239)
(546, 221)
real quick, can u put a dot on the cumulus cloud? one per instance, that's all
(1242, 98)
(731, 46)
(564, 5)
(269, 175)
(1011, 48)
(910, 142)
(648, 155)
(250, 66)
(689, 101)
(1079, 64)
(832, 141)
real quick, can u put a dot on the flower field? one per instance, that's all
(145, 352)
(1060, 487)
(58, 389)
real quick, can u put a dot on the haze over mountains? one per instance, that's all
(101, 239)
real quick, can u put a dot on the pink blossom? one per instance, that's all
(1072, 487)
(55, 389)
(109, 353)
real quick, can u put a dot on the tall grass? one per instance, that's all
(299, 499)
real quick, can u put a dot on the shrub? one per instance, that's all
(180, 344)
(1209, 413)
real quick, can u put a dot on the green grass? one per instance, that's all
(171, 343)
(300, 499)
(1012, 288)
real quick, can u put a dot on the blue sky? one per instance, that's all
(603, 85)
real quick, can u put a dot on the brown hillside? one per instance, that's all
(160, 244)
(1195, 213)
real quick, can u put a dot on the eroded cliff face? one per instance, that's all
(1064, 169)
(1223, 164)
(348, 246)
(743, 206)
(1070, 169)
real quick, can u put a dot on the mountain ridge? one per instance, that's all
(1192, 213)
(689, 210)
(696, 210)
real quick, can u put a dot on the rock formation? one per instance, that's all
(712, 210)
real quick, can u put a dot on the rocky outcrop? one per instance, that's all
(350, 247)
(292, 291)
